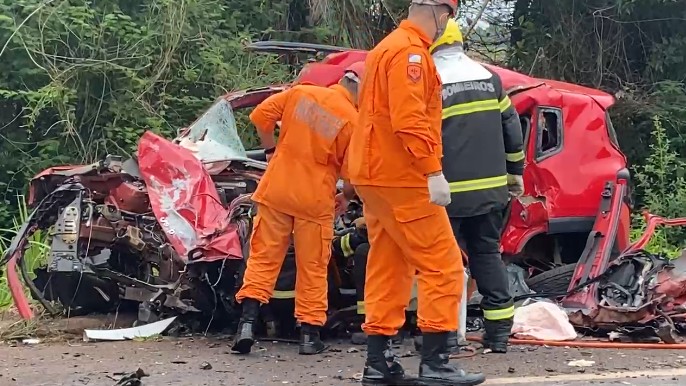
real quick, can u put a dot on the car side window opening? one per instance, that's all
(525, 122)
(549, 139)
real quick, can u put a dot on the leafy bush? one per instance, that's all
(34, 257)
(661, 179)
(80, 79)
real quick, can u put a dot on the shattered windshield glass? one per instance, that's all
(216, 135)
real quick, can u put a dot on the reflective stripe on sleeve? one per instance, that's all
(505, 104)
(515, 157)
(345, 245)
(478, 184)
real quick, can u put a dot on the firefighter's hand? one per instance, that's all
(515, 185)
(439, 190)
(341, 204)
(360, 222)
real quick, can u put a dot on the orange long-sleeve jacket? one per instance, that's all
(398, 138)
(316, 125)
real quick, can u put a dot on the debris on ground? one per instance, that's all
(581, 363)
(131, 379)
(205, 366)
(139, 332)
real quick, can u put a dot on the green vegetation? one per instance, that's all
(35, 255)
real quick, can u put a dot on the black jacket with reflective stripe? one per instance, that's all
(482, 135)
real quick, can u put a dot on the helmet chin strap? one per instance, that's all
(439, 29)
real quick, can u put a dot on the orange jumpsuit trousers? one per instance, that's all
(408, 234)
(269, 243)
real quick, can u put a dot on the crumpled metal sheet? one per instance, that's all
(672, 284)
(185, 202)
(658, 291)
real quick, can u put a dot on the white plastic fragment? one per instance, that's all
(581, 363)
(145, 331)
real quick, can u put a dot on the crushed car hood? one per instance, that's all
(185, 202)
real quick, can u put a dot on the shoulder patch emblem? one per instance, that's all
(414, 58)
(414, 72)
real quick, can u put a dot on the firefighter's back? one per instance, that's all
(316, 129)
(474, 160)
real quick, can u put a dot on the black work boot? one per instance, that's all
(382, 366)
(434, 369)
(358, 338)
(496, 335)
(453, 345)
(244, 338)
(310, 341)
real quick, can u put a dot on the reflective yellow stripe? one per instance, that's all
(504, 313)
(360, 308)
(505, 104)
(471, 107)
(515, 157)
(480, 184)
(283, 295)
(345, 245)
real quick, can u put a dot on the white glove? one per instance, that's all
(515, 185)
(439, 190)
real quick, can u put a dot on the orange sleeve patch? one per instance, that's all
(414, 72)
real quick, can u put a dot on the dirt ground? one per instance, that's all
(207, 361)
(62, 358)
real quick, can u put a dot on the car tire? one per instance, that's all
(555, 281)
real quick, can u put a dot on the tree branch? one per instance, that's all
(477, 18)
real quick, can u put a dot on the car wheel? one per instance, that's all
(554, 281)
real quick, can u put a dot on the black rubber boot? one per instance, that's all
(453, 343)
(382, 366)
(496, 335)
(245, 338)
(434, 369)
(310, 341)
(358, 338)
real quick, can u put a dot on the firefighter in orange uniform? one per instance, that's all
(296, 197)
(394, 163)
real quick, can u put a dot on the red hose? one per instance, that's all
(16, 289)
(591, 344)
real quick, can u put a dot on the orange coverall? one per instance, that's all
(396, 144)
(296, 194)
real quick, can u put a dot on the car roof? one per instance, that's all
(331, 68)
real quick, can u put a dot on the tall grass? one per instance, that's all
(35, 255)
(661, 181)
